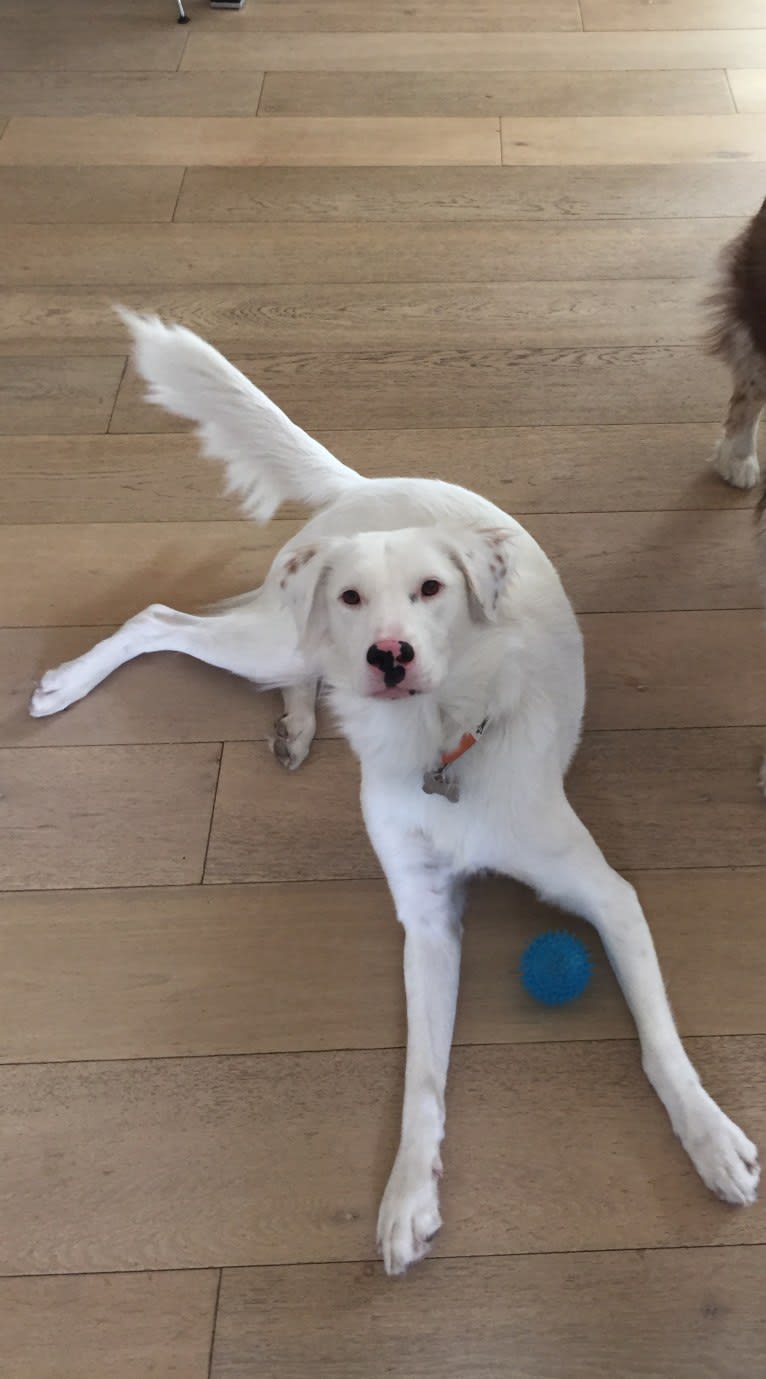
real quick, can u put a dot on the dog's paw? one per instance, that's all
(409, 1213)
(293, 736)
(742, 471)
(58, 689)
(726, 1160)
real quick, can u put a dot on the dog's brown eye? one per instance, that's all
(429, 587)
(351, 597)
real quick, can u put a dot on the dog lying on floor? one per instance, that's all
(454, 665)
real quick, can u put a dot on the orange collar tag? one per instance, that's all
(436, 782)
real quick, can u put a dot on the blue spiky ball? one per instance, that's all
(555, 968)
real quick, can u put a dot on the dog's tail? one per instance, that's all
(267, 459)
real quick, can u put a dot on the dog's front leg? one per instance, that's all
(429, 902)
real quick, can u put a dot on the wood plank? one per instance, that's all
(197, 255)
(492, 93)
(91, 574)
(675, 670)
(106, 816)
(371, 316)
(194, 971)
(645, 670)
(51, 37)
(285, 820)
(214, 49)
(163, 477)
(281, 1159)
(641, 553)
(633, 139)
(470, 388)
(401, 16)
(58, 93)
(749, 90)
(134, 479)
(693, 1314)
(98, 195)
(674, 798)
(446, 195)
(93, 140)
(65, 394)
(674, 14)
(123, 1325)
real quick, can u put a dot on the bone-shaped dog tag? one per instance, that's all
(434, 783)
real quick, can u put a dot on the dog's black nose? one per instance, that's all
(390, 657)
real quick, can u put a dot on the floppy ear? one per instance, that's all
(486, 558)
(303, 571)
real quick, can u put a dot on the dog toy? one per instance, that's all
(555, 968)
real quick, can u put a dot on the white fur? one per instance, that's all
(499, 638)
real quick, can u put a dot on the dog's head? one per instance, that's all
(385, 614)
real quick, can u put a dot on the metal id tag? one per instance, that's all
(435, 783)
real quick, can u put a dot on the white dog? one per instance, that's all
(452, 659)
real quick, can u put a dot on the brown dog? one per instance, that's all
(738, 335)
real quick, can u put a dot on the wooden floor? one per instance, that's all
(453, 237)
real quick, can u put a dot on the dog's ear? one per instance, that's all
(302, 573)
(486, 558)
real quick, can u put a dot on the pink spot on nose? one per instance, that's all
(392, 644)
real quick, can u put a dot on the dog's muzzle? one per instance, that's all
(391, 658)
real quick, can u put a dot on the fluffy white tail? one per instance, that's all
(266, 457)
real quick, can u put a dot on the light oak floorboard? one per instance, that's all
(126, 1326)
(163, 477)
(401, 388)
(693, 1315)
(189, 971)
(390, 316)
(63, 93)
(111, 196)
(63, 395)
(128, 139)
(492, 93)
(402, 16)
(749, 90)
(106, 816)
(92, 574)
(673, 14)
(49, 37)
(213, 49)
(448, 195)
(200, 255)
(633, 139)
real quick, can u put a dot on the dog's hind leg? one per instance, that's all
(562, 861)
(736, 454)
(254, 637)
